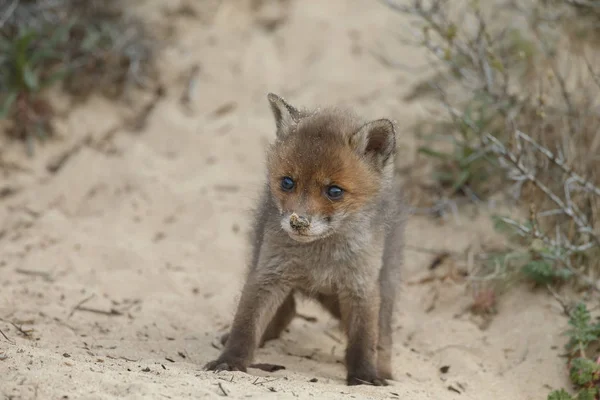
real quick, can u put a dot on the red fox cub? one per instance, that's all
(329, 226)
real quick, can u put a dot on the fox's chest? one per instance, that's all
(334, 266)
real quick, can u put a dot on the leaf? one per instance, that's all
(30, 78)
(20, 49)
(582, 332)
(462, 179)
(587, 394)
(584, 372)
(25, 40)
(540, 271)
(560, 395)
(8, 102)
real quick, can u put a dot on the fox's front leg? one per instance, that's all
(260, 299)
(360, 319)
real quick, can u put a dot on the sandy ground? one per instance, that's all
(123, 266)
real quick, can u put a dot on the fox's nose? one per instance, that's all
(299, 222)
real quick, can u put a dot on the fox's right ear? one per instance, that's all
(286, 116)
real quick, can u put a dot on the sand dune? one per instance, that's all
(126, 264)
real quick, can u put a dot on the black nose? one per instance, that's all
(299, 222)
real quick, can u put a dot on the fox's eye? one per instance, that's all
(334, 192)
(287, 184)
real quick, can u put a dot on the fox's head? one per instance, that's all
(326, 169)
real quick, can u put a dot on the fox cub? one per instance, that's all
(329, 226)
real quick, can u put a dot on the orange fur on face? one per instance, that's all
(316, 155)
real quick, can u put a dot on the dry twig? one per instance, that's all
(6, 337)
(25, 333)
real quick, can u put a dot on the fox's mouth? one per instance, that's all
(307, 238)
(302, 238)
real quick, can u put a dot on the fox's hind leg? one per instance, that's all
(389, 278)
(385, 343)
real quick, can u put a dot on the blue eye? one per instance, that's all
(334, 192)
(287, 184)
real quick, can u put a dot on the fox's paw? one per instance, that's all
(225, 364)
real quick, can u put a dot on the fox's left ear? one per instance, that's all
(375, 139)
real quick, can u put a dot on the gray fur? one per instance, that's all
(354, 273)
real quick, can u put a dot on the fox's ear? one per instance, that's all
(286, 116)
(375, 139)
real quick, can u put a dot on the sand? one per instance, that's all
(123, 265)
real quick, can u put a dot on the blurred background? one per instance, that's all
(132, 142)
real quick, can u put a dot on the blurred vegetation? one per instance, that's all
(84, 45)
(583, 367)
(518, 84)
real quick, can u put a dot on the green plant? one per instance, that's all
(582, 332)
(469, 167)
(584, 371)
(542, 261)
(30, 64)
(86, 46)
(560, 395)
(516, 124)
(516, 118)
